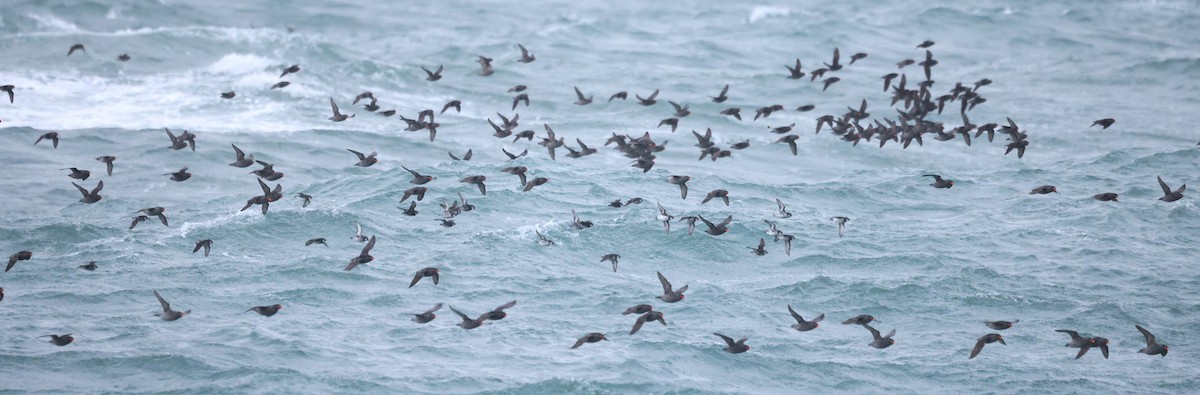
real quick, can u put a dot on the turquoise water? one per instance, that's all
(931, 263)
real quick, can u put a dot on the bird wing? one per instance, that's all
(795, 315)
(665, 284)
(1082, 350)
(240, 154)
(574, 216)
(978, 347)
(370, 244)
(357, 229)
(359, 154)
(578, 93)
(728, 341)
(874, 332)
(335, 107)
(81, 190)
(506, 305)
(460, 314)
(1074, 334)
(436, 307)
(724, 90)
(198, 246)
(1147, 334)
(579, 342)
(1104, 350)
(416, 278)
(782, 207)
(761, 243)
(524, 52)
(638, 325)
(266, 189)
(165, 306)
(725, 222)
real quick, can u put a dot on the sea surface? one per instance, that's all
(932, 263)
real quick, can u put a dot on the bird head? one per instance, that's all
(278, 307)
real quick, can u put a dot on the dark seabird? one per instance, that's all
(760, 250)
(830, 81)
(52, 136)
(108, 162)
(583, 101)
(1169, 196)
(636, 200)
(1, 294)
(619, 95)
(649, 101)
(498, 313)
(526, 57)
(1082, 343)
(1044, 189)
(719, 193)
(639, 309)
(801, 324)
(790, 140)
(1104, 123)
(881, 342)
(733, 347)
(721, 97)
(528, 134)
(290, 69)
(428, 315)
(664, 217)
(718, 229)
(137, 220)
(419, 192)
(411, 210)
(535, 182)
(467, 156)
(680, 111)
(858, 56)
(615, 203)
(518, 171)
(986, 339)
(306, 197)
(387, 113)
(524, 97)
(76, 47)
(1152, 346)
(887, 80)
(167, 314)
(242, 159)
(794, 72)
(938, 182)
(90, 197)
(928, 63)
(542, 240)
(861, 320)
(78, 174)
(781, 129)
(584, 150)
(905, 62)
(672, 122)
(364, 160)
(228, 95)
(787, 242)
(1106, 197)
(206, 244)
(806, 108)
(477, 181)
(337, 115)
(181, 175)
(648, 316)
(485, 65)
(835, 66)
(467, 322)
(7, 89)
(319, 240)
(433, 75)
(455, 104)
(19, 256)
(90, 266)
(681, 181)
(363, 257)
(577, 223)
(691, 222)
(740, 145)
(60, 340)
(593, 337)
(670, 295)
(1001, 325)
(156, 212)
(426, 272)
(613, 258)
(281, 85)
(733, 111)
(925, 44)
(265, 311)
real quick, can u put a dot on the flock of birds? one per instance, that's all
(909, 124)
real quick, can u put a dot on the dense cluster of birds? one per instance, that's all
(910, 123)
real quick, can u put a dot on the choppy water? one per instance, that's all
(931, 263)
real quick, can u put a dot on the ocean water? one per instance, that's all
(931, 263)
